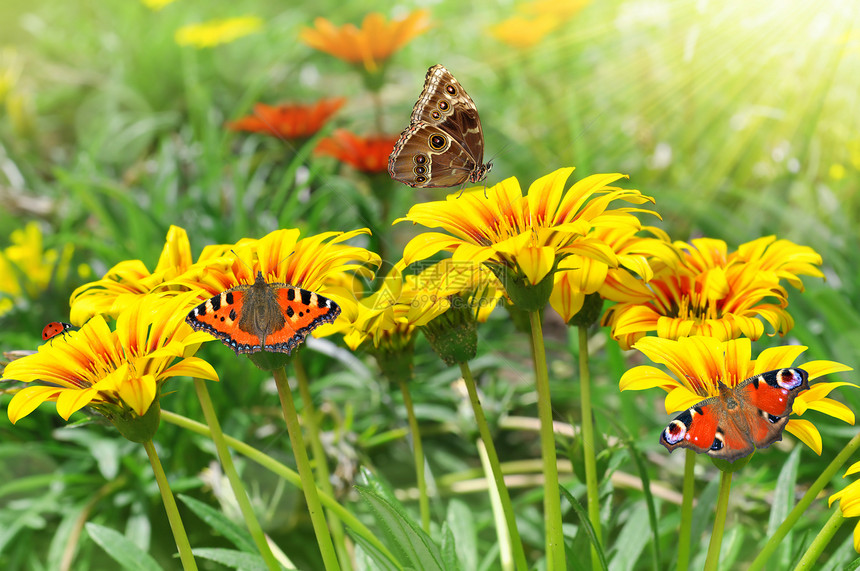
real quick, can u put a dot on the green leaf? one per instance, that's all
(121, 549)
(462, 524)
(401, 534)
(586, 524)
(367, 556)
(232, 558)
(238, 536)
(631, 539)
(449, 549)
(642, 469)
(783, 501)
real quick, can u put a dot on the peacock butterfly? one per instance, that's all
(740, 419)
(55, 328)
(263, 316)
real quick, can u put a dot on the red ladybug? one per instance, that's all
(55, 328)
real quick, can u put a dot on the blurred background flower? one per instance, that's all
(215, 32)
(372, 44)
(289, 120)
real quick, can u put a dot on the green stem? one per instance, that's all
(588, 443)
(418, 452)
(552, 498)
(804, 503)
(179, 535)
(821, 541)
(284, 472)
(233, 476)
(504, 495)
(686, 511)
(713, 559)
(320, 461)
(506, 557)
(291, 417)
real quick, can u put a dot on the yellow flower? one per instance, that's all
(697, 365)
(466, 285)
(371, 45)
(215, 32)
(520, 238)
(389, 317)
(561, 9)
(26, 268)
(116, 372)
(849, 501)
(524, 31)
(704, 290)
(321, 263)
(156, 5)
(580, 276)
(130, 279)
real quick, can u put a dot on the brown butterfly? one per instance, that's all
(444, 144)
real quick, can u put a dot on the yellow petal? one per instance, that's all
(28, 399)
(536, 263)
(427, 244)
(681, 398)
(645, 377)
(545, 194)
(820, 368)
(832, 408)
(138, 393)
(778, 358)
(70, 400)
(806, 432)
(192, 367)
(853, 469)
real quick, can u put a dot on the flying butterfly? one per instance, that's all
(443, 145)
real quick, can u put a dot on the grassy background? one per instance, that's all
(740, 118)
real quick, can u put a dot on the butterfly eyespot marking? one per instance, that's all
(420, 159)
(719, 442)
(443, 105)
(769, 417)
(420, 178)
(451, 90)
(789, 379)
(437, 142)
(419, 170)
(675, 432)
(436, 115)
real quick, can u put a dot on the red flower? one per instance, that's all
(288, 120)
(367, 154)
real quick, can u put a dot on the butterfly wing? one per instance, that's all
(220, 316)
(444, 143)
(695, 428)
(445, 104)
(303, 311)
(766, 401)
(426, 156)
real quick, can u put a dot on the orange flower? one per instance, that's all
(288, 120)
(372, 44)
(367, 154)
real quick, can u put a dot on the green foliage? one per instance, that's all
(123, 551)
(738, 117)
